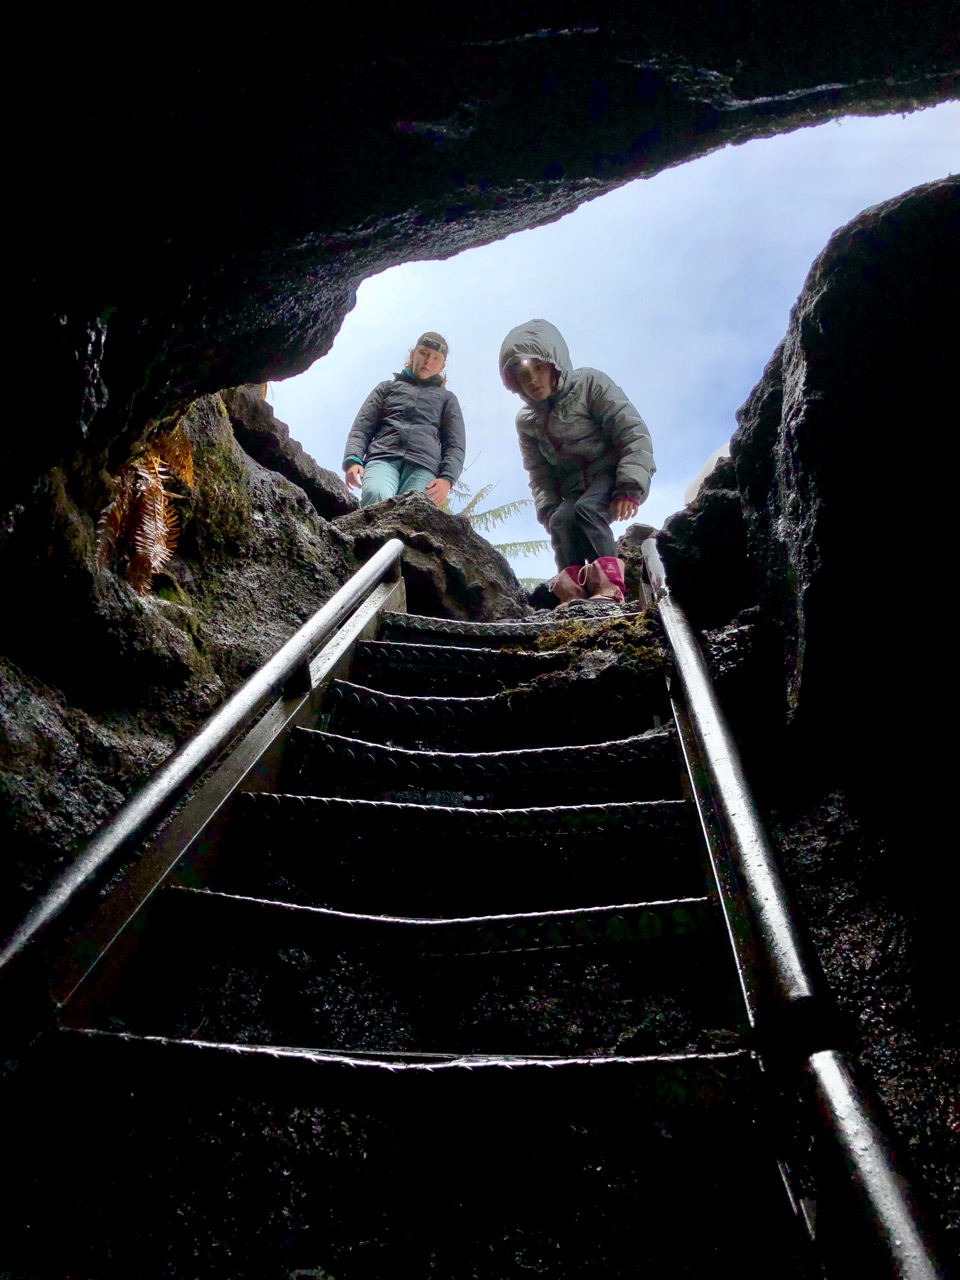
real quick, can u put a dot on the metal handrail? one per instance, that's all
(783, 965)
(148, 807)
(780, 963)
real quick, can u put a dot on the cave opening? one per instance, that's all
(679, 286)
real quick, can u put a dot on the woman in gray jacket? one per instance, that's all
(409, 434)
(587, 453)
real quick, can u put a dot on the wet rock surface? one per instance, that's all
(449, 570)
(267, 440)
(893, 993)
(63, 772)
(704, 551)
(821, 443)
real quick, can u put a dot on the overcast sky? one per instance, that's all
(678, 286)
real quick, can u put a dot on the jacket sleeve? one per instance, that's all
(365, 425)
(628, 435)
(453, 439)
(543, 478)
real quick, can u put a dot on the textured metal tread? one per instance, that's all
(512, 634)
(444, 707)
(553, 757)
(412, 655)
(250, 921)
(385, 856)
(379, 817)
(454, 627)
(401, 666)
(528, 931)
(527, 717)
(682, 1086)
(388, 1063)
(634, 978)
(645, 765)
(444, 1157)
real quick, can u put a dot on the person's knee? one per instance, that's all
(379, 483)
(589, 512)
(415, 479)
(375, 490)
(561, 522)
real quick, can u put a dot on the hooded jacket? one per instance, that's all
(585, 429)
(419, 421)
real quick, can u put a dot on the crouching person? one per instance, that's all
(408, 435)
(587, 453)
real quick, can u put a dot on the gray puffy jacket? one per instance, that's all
(588, 426)
(420, 422)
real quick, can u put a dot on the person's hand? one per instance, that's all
(437, 491)
(354, 476)
(623, 509)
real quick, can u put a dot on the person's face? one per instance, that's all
(425, 362)
(536, 378)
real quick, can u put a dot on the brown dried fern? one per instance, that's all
(115, 517)
(154, 528)
(139, 527)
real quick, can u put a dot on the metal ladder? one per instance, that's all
(453, 967)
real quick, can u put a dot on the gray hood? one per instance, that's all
(587, 430)
(543, 341)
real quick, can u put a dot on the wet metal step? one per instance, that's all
(420, 860)
(398, 667)
(417, 629)
(583, 711)
(629, 979)
(667, 1084)
(643, 767)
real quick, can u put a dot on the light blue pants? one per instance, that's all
(388, 477)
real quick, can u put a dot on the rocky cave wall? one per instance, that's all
(200, 202)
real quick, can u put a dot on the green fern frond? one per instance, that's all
(484, 520)
(532, 548)
(469, 509)
(459, 492)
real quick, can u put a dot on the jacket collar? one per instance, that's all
(405, 375)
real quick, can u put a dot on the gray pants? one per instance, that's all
(579, 528)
